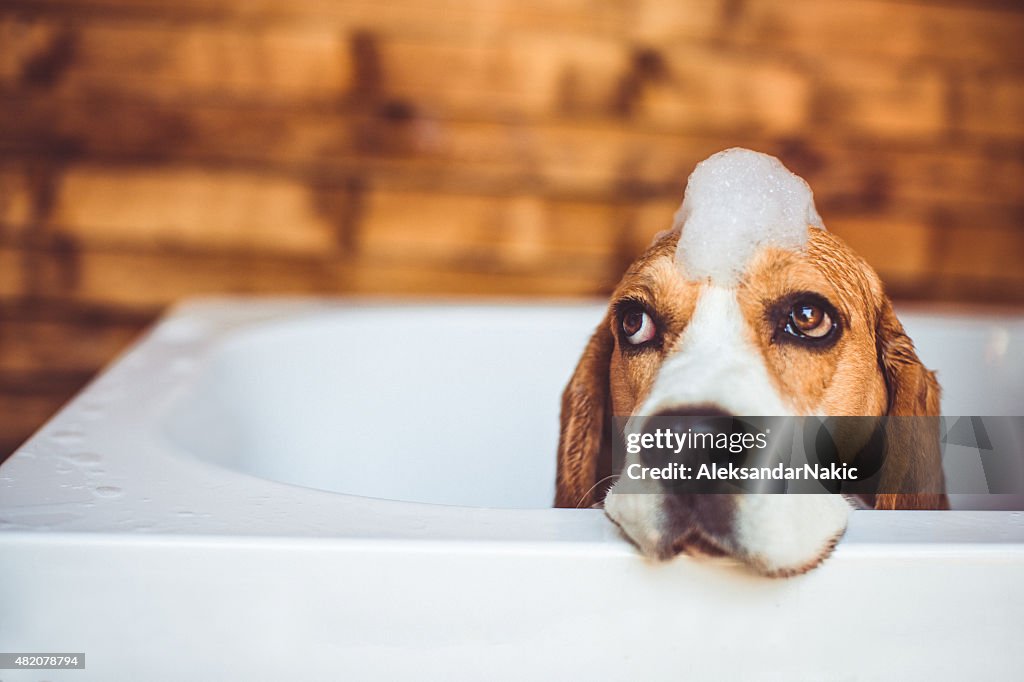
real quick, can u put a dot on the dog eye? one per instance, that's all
(638, 326)
(807, 319)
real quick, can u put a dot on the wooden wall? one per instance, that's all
(155, 149)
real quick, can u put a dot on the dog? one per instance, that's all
(747, 306)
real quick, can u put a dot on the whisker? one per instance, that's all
(591, 488)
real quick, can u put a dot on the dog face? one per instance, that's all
(799, 331)
(795, 337)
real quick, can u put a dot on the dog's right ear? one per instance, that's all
(585, 442)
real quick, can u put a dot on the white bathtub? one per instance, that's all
(331, 490)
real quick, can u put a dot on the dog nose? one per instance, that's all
(699, 423)
(701, 438)
(699, 418)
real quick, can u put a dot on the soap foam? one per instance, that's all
(736, 202)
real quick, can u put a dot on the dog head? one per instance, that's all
(788, 322)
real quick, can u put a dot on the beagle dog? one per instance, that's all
(746, 307)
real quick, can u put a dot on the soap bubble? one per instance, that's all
(736, 202)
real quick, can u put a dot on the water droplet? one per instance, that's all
(84, 458)
(107, 491)
(66, 436)
(63, 468)
(186, 513)
(91, 412)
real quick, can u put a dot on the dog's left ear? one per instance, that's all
(913, 454)
(586, 423)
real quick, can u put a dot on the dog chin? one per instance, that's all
(784, 535)
(640, 517)
(775, 535)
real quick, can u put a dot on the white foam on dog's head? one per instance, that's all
(737, 202)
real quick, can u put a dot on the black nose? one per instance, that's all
(699, 425)
(701, 438)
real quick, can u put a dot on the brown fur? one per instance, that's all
(845, 380)
(585, 423)
(912, 391)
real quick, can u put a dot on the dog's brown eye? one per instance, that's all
(810, 319)
(638, 326)
(806, 319)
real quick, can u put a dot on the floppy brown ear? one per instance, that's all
(913, 457)
(584, 448)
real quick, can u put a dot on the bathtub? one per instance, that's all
(324, 489)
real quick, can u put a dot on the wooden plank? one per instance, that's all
(899, 249)
(678, 88)
(713, 90)
(882, 100)
(983, 251)
(182, 207)
(992, 104)
(640, 222)
(513, 76)
(480, 20)
(948, 254)
(872, 179)
(419, 280)
(983, 33)
(501, 230)
(15, 199)
(958, 33)
(36, 341)
(311, 142)
(584, 158)
(170, 62)
(115, 128)
(12, 276)
(149, 280)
